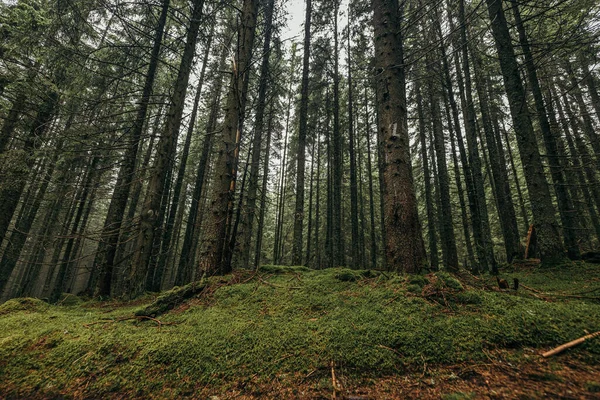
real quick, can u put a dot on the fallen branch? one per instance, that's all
(573, 343)
(172, 299)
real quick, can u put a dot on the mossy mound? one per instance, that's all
(25, 304)
(286, 324)
(280, 269)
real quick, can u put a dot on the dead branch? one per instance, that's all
(573, 343)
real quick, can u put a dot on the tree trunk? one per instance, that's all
(225, 173)
(549, 244)
(261, 104)
(431, 233)
(565, 204)
(105, 257)
(405, 250)
(355, 249)
(303, 122)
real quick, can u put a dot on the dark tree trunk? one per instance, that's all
(105, 257)
(167, 245)
(549, 244)
(355, 248)
(405, 250)
(303, 122)
(431, 233)
(566, 210)
(225, 173)
(261, 105)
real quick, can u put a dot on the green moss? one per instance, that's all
(291, 321)
(458, 396)
(279, 269)
(448, 281)
(418, 280)
(593, 387)
(24, 304)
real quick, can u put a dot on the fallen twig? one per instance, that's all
(333, 380)
(566, 346)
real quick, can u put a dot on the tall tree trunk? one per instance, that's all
(169, 229)
(258, 138)
(166, 147)
(225, 173)
(263, 193)
(405, 250)
(549, 244)
(503, 195)
(489, 261)
(371, 192)
(187, 259)
(105, 257)
(431, 233)
(578, 178)
(303, 122)
(565, 204)
(339, 256)
(355, 248)
(449, 254)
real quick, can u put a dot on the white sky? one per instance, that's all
(295, 10)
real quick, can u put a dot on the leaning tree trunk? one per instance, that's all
(261, 104)
(166, 147)
(566, 209)
(107, 249)
(549, 244)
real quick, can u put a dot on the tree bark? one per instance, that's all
(405, 250)
(212, 257)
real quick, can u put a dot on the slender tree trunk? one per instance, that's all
(565, 204)
(503, 195)
(105, 258)
(261, 105)
(169, 231)
(371, 192)
(151, 214)
(339, 256)
(549, 244)
(474, 158)
(303, 122)
(307, 260)
(263, 193)
(449, 254)
(431, 233)
(355, 251)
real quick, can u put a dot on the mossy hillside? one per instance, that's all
(284, 322)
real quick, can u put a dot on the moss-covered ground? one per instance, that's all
(284, 332)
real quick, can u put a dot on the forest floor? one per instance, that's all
(288, 332)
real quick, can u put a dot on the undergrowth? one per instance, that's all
(289, 321)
